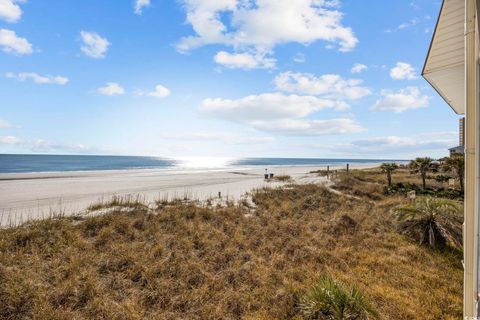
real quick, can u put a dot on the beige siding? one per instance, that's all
(445, 67)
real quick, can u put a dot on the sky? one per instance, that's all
(221, 78)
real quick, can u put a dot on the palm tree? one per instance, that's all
(456, 164)
(388, 168)
(422, 166)
(331, 299)
(436, 222)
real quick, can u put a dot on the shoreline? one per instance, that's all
(8, 176)
(24, 197)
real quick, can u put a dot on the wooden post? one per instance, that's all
(328, 172)
(348, 167)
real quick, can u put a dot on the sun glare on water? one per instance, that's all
(204, 162)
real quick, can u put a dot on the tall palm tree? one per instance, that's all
(388, 169)
(456, 164)
(422, 166)
(432, 221)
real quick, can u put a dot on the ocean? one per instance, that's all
(12, 163)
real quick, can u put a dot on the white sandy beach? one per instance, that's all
(38, 195)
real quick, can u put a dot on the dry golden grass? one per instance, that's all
(371, 183)
(188, 262)
(283, 178)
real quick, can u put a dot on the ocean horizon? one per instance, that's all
(38, 163)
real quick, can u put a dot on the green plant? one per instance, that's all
(332, 299)
(388, 169)
(436, 222)
(456, 164)
(441, 178)
(423, 166)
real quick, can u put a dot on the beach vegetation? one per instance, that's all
(370, 184)
(456, 164)
(434, 222)
(283, 178)
(388, 169)
(129, 201)
(332, 299)
(183, 260)
(423, 166)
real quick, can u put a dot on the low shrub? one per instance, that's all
(332, 299)
(404, 188)
(431, 221)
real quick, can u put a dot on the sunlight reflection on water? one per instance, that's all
(204, 162)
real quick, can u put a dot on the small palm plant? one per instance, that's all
(435, 222)
(388, 169)
(331, 299)
(456, 164)
(423, 166)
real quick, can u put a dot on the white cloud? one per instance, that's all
(401, 100)
(260, 26)
(411, 23)
(45, 79)
(267, 106)
(280, 113)
(244, 60)
(359, 68)
(403, 71)
(219, 136)
(45, 146)
(310, 127)
(10, 140)
(111, 89)
(249, 140)
(40, 145)
(299, 58)
(4, 124)
(11, 43)
(159, 92)
(395, 146)
(408, 24)
(10, 10)
(330, 86)
(139, 5)
(94, 45)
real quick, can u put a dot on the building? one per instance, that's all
(452, 68)
(460, 149)
(456, 150)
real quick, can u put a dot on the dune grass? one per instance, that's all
(184, 261)
(282, 178)
(131, 202)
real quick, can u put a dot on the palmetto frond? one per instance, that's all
(331, 299)
(388, 167)
(433, 221)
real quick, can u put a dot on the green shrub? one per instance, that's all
(331, 299)
(403, 188)
(431, 221)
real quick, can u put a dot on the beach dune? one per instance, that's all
(38, 195)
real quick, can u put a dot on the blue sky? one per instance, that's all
(279, 78)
